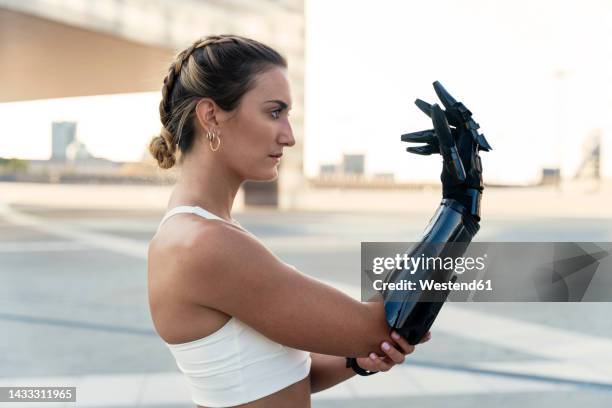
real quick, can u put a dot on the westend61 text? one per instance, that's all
(405, 284)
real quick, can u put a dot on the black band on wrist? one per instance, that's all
(352, 363)
(468, 197)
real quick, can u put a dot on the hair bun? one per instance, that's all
(162, 150)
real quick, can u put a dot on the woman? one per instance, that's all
(235, 317)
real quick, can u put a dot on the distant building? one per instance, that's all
(77, 151)
(353, 164)
(384, 177)
(69, 156)
(63, 134)
(328, 169)
(590, 166)
(551, 176)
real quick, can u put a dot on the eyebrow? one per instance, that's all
(281, 103)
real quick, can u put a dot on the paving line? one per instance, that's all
(76, 324)
(577, 351)
(171, 388)
(41, 246)
(124, 246)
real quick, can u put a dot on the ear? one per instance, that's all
(206, 111)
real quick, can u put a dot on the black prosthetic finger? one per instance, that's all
(441, 128)
(448, 148)
(447, 99)
(457, 113)
(423, 150)
(423, 106)
(423, 136)
(483, 144)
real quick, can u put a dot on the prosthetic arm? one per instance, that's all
(454, 223)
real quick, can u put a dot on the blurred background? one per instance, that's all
(80, 197)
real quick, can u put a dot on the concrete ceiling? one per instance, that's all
(42, 59)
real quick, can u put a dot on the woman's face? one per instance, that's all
(254, 135)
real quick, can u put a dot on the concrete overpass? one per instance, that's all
(61, 48)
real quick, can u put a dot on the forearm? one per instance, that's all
(327, 371)
(448, 234)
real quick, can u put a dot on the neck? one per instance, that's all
(206, 183)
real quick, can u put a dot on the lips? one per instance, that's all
(276, 156)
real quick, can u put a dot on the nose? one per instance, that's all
(285, 136)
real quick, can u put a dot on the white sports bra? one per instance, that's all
(235, 364)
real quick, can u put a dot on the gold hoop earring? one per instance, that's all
(210, 135)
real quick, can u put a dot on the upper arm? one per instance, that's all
(232, 272)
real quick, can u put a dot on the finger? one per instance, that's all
(447, 144)
(423, 136)
(441, 128)
(393, 353)
(423, 106)
(456, 112)
(381, 365)
(425, 338)
(423, 150)
(369, 362)
(446, 98)
(483, 144)
(406, 347)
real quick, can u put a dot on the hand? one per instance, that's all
(459, 146)
(393, 355)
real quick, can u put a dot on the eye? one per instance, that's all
(276, 113)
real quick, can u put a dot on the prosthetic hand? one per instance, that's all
(454, 223)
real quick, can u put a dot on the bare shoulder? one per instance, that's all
(191, 241)
(222, 268)
(200, 252)
(219, 256)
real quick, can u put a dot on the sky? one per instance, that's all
(500, 58)
(366, 62)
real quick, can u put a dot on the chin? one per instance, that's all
(268, 175)
(272, 176)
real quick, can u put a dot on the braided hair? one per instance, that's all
(220, 67)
